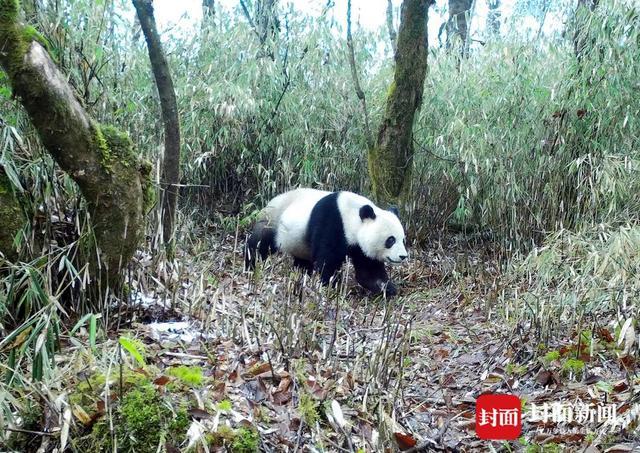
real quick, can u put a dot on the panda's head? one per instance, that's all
(381, 236)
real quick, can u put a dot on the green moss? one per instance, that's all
(225, 406)
(120, 145)
(308, 409)
(12, 39)
(115, 147)
(224, 436)
(573, 365)
(149, 196)
(551, 356)
(15, 38)
(192, 376)
(245, 441)
(31, 34)
(391, 90)
(145, 421)
(9, 11)
(89, 390)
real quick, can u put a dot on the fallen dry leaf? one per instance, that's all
(81, 414)
(162, 380)
(405, 441)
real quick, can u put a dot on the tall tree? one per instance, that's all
(264, 21)
(457, 25)
(100, 159)
(267, 19)
(391, 159)
(391, 28)
(493, 18)
(169, 107)
(208, 10)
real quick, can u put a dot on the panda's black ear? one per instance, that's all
(366, 212)
(394, 210)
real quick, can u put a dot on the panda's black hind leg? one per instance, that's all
(328, 266)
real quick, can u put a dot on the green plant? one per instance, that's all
(190, 375)
(245, 440)
(308, 409)
(146, 421)
(551, 356)
(573, 365)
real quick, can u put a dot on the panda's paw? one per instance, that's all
(389, 289)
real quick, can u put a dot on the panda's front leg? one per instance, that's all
(327, 266)
(372, 275)
(303, 264)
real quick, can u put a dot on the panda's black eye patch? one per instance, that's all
(389, 242)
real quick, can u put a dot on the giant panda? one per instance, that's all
(321, 229)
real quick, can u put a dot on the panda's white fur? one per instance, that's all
(321, 228)
(289, 215)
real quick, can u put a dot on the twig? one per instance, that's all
(428, 151)
(26, 431)
(298, 436)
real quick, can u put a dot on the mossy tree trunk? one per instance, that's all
(100, 159)
(11, 218)
(391, 159)
(169, 107)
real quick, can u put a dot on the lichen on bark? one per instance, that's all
(101, 160)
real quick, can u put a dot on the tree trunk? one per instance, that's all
(392, 30)
(493, 19)
(169, 106)
(457, 24)
(542, 17)
(11, 218)
(264, 23)
(100, 159)
(208, 10)
(391, 159)
(267, 20)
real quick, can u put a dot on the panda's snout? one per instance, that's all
(403, 257)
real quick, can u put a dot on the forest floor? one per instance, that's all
(318, 369)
